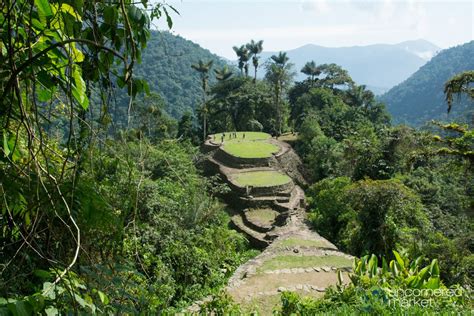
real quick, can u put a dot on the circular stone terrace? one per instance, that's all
(246, 144)
(265, 178)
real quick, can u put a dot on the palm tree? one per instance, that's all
(280, 59)
(360, 96)
(242, 53)
(203, 69)
(280, 74)
(461, 83)
(310, 69)
(223, 74)
(255, 48)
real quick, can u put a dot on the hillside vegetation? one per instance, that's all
(420, 98)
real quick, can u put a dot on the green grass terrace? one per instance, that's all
(250, 149)
(260, 178)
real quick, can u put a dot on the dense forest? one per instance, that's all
(100, 217)
(420, 98)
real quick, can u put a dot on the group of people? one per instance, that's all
(231, 135)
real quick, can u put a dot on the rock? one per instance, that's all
(321, 289)
(334, 268)
(281, 289)
(326, 269)
(296, 250)
(294, 270)
(299, 287)
(301, 270)
(317, 269)
(308, 270)
(306, 287)
(285, 271)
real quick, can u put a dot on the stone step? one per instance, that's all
(296, 201)
(261, 226)
(256, 239)
(261, 201)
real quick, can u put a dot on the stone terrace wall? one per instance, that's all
(239, 162)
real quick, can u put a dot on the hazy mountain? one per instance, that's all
(420, 98)
(379, 66)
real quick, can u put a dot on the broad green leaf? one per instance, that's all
(44, 9)
(6, 148)
(27, 219)
(66, 8)
(399, 259)
(394, 268)
(37, 24)
(146, 87)
(373, 262)
(79, 87)
(20, 308)
(434, 268)
(110, 15)
(48, 290)
(103, 298)
(44, 95)
(423, 273)
(80, 300)
(384, 266)
(77, 55)
(42, 274)
(51, 311)
(433, 283)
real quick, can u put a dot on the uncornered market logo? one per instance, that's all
(423, 297)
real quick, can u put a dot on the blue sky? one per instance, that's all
(220, 24)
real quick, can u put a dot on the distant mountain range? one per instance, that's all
(420, 98)
(379, 66)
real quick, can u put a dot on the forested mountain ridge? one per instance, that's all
(420, 98)
(166, 65)
(379, 66)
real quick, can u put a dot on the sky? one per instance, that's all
(218, 25)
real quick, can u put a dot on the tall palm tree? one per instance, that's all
(223, 74)
(279, 73)
(242, 53)
(255, 48)
(203, 69)
(281, 59)
(310, 69)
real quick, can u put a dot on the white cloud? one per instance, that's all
(316, 6)
(271, 32)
